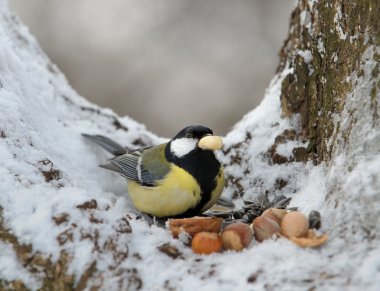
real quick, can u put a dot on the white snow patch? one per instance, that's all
(312, 2)
(335, 57)
(11, 269)
(305, 20)
(337, 20)
(40, 138)
(306, 55)
(320, 46)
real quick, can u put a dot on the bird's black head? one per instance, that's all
(193, 132)
(188, 140)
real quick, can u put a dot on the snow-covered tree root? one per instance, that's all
(66, 224)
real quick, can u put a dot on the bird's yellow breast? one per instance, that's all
(175, 194)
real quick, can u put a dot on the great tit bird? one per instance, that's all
(180, 178)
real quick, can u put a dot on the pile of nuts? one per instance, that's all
(208, 236)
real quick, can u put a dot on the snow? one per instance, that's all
(312, 2)
(305, 20)
(11, 269)
(307, 56)
(320, 46)
(338, 20)
(41, 120)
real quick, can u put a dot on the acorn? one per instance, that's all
(275, 213)
(264, 228)
(294, 224)
(237, 236)
(206, 243)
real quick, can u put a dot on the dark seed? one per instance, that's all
(282, 203)
(226, 202)
(278, 198)
(247, 202)
(237, 214)
(315, 219)
(263, 201)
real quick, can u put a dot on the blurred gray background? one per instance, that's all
(165, 63)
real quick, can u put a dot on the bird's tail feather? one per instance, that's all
(107, 144)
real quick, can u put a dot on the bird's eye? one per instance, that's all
(189, 135)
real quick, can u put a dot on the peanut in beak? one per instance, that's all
(211, 142)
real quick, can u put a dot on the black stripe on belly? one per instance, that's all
(204, 167)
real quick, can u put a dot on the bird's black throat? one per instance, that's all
(204, 167)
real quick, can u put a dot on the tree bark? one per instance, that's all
(326, 44)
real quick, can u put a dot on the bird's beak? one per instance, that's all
(210, 142)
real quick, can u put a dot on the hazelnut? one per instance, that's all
(206, 243)
(275, 213)
(237, 236)
(294, 224)
(264, 227)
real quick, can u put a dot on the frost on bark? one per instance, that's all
(330, 84)
(333, 50)
(326, 45)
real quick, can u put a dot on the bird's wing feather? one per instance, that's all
(128, 165)
(147, 166)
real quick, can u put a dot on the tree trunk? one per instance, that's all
(328, 42)
(314, 138)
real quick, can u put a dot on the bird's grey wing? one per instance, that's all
(127, 165)
(146, 167)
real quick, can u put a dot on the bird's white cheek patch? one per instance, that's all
(182, 146)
